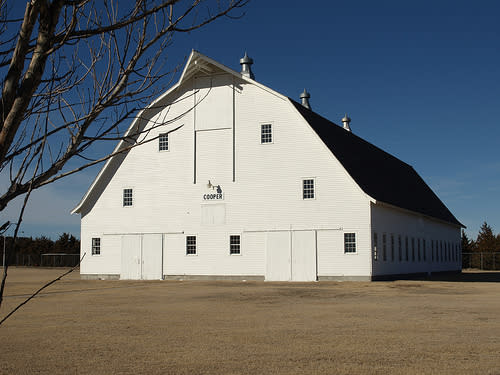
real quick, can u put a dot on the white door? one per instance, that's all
(152, 257)
(278, 267)
(131, 257)
(304, 256)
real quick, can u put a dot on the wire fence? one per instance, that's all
(45, 260)
(482, 260)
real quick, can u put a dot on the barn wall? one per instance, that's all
(442, 243)
(266, 194)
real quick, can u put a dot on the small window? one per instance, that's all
(163, 142)
(308, 189)
(190, 245)
(375, 246)
(392, 247)
(234, 245)
(127, 197)
(266, 133)
(400, 249)
(349, 242)
(96, 246)
(384, 247)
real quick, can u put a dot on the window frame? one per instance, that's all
(96, 246)
(188, 244)
(304, 197)
(265, 135)
(231, 244)
(348, 244)
(125, 199)
(162, 141)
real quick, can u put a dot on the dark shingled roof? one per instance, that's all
(380, 175)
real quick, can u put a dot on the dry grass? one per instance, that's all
(172, 327)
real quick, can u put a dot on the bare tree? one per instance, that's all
(74, 73)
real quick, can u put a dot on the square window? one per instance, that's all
(127, 197)
(308, 189)
(234, 245)
(163, 142)
(96, 246)
(190, 245)
(266, 133)
(349, 242)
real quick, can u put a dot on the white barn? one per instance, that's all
(253, 185)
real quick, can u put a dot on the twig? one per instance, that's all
(39, 290)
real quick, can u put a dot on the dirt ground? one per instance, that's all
(447, 326)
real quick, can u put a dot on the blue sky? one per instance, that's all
(418, 79)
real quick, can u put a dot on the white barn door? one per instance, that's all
(291, 256)
(142, 257)
(131, 257)
(304, 256)
(278, 267)
(152, 257)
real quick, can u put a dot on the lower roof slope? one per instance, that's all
(382, 176)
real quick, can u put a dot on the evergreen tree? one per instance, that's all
(486, 240)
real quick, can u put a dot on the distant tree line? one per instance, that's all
(28, 250)
(484, 251)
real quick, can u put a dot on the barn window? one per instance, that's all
(234, 245)
(266, 133)
(308, 189)
(127, 197)
(190, 245)
(375, 246)
(96, 246)
(163, 142)
(400, 249)
(392, 247)
(349, 242)
(384, 247)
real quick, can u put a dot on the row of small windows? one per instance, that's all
(234, 245)
(415, 249)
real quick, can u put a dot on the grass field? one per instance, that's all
(188, 327)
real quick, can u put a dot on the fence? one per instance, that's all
(482, 261)
(45, 260)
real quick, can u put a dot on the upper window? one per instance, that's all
(96, 246)
(266, 133)
(127, 197)
(234, 245)
(163, 142)
(308, 189)
(190, 245)
(349, 242)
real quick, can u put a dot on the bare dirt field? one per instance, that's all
(447, 326)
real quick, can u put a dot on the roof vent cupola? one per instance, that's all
(346, 120)
(304, 97)
(246, 66)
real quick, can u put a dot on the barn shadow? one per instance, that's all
(473, 276)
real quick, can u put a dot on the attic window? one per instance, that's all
(308, 189)
(127, 197)
(266, 133)
(163, 142)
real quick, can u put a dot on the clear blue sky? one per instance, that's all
(419, 79)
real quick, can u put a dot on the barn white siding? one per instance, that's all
(442, 243)
(216, 149)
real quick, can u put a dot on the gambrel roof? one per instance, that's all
(382, 176)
